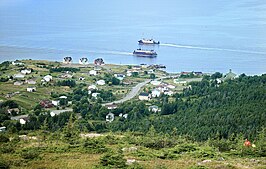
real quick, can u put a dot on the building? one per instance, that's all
(119, 76)
(2, 129)
(230, 75)
(155, 82)
(31, 89)
(95, 95)
(100, 82)
(144, 96)
(93, 72)
(26, 71)
(111, 106)
(55, 102)
(178, 81)
(17, 63)
(31, 81)
(13, 111)
(24, 120)
(46, 103)
(18, 76)
(110, 117)
(47, 78)
(155, 93)
(18, 83)
(154, 108)
(169, 92)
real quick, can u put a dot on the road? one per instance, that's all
(134, 91)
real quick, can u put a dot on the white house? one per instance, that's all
(55, 102)
(100, 82)
(125, 116)
(93, 72)
(17, 63)
(62, 97)
(144, 96)
(168, 92)
(95, 94)
(26, 71)
(31, 81)
(110, 117)
(111, 106)
(18, 83)
(31, 89)
(92, 87)
(18, 76)
(48, 78)
(23, 120)
(119, 76)
(155, 93)
(2, 129)
(14, 110)
(154, 108)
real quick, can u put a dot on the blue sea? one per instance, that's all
(199, 35)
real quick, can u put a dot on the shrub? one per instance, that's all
(3, 138)
(4, 164)
(113, 160)
(29, 153)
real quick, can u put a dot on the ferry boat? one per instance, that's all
(145, 53)
(148, 42)
(84, 61)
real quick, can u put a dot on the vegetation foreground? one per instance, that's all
(215, 122)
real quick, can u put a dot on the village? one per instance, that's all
(47, 84)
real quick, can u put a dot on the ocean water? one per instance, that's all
(200, 35)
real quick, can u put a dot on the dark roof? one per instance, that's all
(144, 94)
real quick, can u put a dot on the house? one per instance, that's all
(129, 73)
(155, 93)
(26, 71)
(81, 78)
(100, 82)
(31, 81)
(92, 88)
(66, 76)
(144, 96)
(125, 116)
(18, 83)
(63, 97)
(143, 65)
(154, 108)
(67, 60)
(2, 129)
(230, 75)
(55, 102)
(24, 120)
(111, 106)
(18, 76)
(31, 89)
(95, 94)
(168, 92)
(93, 72)
(47, 78)
(17, 63)
(150, 71)
(46, 103)
(13, 111)
(198, 73)
(119, 76)
(110, 117)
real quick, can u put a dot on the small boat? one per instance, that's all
(148, 42)
(145, 53)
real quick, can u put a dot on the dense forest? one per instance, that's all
(205, 110)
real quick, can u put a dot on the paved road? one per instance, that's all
(134, 91)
